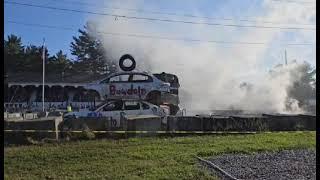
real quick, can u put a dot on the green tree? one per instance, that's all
(14, 45)
(59, 63)
(13, 53)
(33, 58)
(303, 87)
(90, 53)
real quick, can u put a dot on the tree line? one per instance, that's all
(91, 57)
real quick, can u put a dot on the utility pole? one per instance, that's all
(285, 57)
(43, 71)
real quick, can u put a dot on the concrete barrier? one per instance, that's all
(242, 123)
(284, 122)
(265, 122)
(144, 123)
(19, 116)
(28, 116)
(234, 123)
(139, 123)
(14, 115)
(184, 123)
(248, 123)
(309, 122)
(17, 134)
(92, 123)
(85, 125)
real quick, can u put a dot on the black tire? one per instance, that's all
(154, 98)
(173, 109)
(125, 57)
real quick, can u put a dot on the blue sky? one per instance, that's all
(60, 39)
(55, 39)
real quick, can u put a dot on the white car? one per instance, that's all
(117, 108)
(155, 88)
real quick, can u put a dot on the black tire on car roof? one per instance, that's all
(125, 68)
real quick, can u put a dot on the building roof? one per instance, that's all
(52, 78)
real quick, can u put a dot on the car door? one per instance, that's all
(141, 84)
(112, 109)
(116, 86)
(132, 108)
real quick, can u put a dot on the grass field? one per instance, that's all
(139, 158)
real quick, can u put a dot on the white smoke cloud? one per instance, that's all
(210, 74)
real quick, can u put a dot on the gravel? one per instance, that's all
(288, 164)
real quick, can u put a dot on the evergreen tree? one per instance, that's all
(90, 53)
(303, 88)
(33, 58)
(13, 53)
(59, 63)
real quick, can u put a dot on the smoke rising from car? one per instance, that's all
(213, 76)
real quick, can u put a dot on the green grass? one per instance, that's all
(139, 158)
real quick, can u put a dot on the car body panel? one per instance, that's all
(133, 85)
(128, 108)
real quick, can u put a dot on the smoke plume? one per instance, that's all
(214, 76)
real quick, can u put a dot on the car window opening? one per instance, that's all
(169, 78)
(145, 106)
(111, 106)
(131, 105)
(140, 78)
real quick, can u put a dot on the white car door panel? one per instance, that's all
(112, 110)
(142, 84)
(133, 86)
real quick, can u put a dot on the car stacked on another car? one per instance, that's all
(154, 88)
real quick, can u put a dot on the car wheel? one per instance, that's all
(154, 98)
(173, 109)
